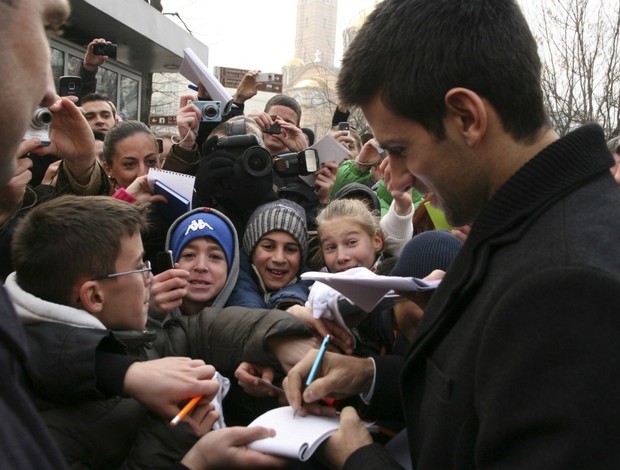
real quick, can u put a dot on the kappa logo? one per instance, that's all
(197, 224)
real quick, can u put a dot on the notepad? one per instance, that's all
(176, 206)
(178, 189)
(296, 438)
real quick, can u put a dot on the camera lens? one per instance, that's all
(256, 161)
(210, 111)
(41, 118)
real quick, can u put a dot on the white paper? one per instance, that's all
(365, 288)
(330, 150)
(196, 71)
(296, 437)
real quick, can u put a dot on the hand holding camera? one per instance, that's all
(95, 53)
(71, 138)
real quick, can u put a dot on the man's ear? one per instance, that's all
(466, 110)
(91, 297)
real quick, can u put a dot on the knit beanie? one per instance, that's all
(202, 223)
(283, 215)
(425, 252)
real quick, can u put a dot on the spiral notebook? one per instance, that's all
(296, 437)
(178, 189)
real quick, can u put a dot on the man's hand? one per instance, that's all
(291, 136)
(141, 190)
(248, 376)
(340, 337)
(71, 139)
(188, 121)
(227, 448)
(161, 384)
(168, 289)
(339, 377)
(325, 180)
(91, 60)
(351, 435)
(247, 88)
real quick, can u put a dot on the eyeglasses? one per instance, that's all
(145, 270)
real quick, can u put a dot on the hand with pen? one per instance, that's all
(162, 384)
(337, 377)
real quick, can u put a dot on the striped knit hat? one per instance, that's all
(284, 215)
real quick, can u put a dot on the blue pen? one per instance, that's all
(192, 87)
(318, 360)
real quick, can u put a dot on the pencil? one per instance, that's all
(185, 410)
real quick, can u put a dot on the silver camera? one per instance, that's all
(210, 111)
(40, 126)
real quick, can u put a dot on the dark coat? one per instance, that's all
(516, 361)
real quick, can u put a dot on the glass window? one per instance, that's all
(107, 83)
(74, 64)
(128, 103)
(58, 64)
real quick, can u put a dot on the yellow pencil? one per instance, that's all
(185, 410)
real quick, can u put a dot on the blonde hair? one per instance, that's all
(353, 209)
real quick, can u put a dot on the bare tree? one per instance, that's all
(580, 49)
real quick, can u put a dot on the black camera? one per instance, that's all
(274, 129)
(108, 49)
(254, 159)
(303, 163)
(210, 111)
(40, 125)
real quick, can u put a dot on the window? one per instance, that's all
(121, 85)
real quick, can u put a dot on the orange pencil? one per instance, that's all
(185, 410)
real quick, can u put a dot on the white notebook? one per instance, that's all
(296, 438)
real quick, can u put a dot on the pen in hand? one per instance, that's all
(316, 365)
(185, 410)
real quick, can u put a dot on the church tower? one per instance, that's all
(315, 37)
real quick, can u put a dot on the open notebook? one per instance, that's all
(296, 438)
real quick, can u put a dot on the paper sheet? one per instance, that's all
(365, 288)
(196, 71)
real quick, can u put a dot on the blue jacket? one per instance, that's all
(251, 292)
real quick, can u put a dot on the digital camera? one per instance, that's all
(253, 159)
(210, 111)
(108, 49)
(40, 126)
(303, 163)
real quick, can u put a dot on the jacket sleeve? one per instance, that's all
(226, 337)
(371, 457)
(182, 160)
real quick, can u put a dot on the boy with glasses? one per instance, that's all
(81, 290)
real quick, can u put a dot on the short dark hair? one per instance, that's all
(70, 238)
(411, 53)
(98, 97)
(284, 100)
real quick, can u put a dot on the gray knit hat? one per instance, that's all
(284, 215)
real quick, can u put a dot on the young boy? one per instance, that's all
(205, 253)
(81, 291)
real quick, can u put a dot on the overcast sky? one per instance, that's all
(259, 34)
(252, 34)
